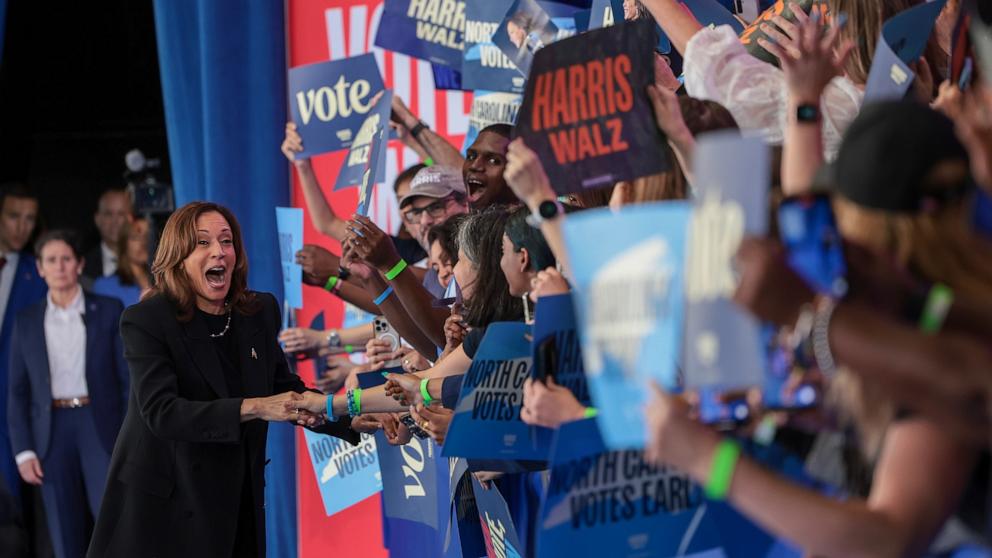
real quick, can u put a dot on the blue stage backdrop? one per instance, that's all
(223, 67)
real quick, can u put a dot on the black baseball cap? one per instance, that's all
(888, 154)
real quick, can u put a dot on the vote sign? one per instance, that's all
(329, 101)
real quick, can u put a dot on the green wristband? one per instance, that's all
(358, 401)
(722, 469)
(349, 349)
(397, 269)
(939, 301)
(428, 162)
(424, 393)
(331, 283)
(590, 412)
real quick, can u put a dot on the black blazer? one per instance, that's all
(176, 475)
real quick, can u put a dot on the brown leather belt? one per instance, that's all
(74, 403)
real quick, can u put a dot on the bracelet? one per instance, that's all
(424, 393)
(590, 412)
(821, 338)
(332, 284)
(396, 270)
(349, 349)
(330, 409)
(382, 298)
(722, 469)
(343, 273)
(354, 402)
(938, 304)
(428, 162)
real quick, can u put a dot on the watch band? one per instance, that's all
(545, 211)
(420, 127)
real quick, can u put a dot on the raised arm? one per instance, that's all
(677, 22)
(322, 216)
(431, 143)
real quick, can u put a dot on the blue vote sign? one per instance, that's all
(432, 30)
(487, 421)
(329, 101)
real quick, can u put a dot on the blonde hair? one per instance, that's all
(938, 247)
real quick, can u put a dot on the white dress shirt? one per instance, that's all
(65, 342)
(7, 275)
(109, 259)
(719, 68)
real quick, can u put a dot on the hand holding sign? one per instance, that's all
(318, 264)
(675, 439)
(292, 146)
(371, 244)
(549, 405)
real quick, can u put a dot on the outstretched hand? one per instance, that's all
(810, 53)
(318, 264)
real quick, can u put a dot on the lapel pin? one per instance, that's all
(254, 355)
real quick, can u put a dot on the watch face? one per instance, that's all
(548, 209)
(807, 113)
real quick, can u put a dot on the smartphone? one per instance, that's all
(547, 359)
(383, 330)
(814, 250)
(813, 244)
(720, 413)
(412, 426)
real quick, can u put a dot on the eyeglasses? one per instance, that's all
(435, 210)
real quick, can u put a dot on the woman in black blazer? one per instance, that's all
(186, 478)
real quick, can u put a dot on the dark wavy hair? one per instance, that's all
(178, 242)
(480, 239)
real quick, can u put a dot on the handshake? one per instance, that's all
(305, 409)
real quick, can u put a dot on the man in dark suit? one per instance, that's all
(68, 393)
(112, 211)
(20, 286)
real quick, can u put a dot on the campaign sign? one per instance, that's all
(289, 225)
(628, 293)
(484, 66)
(605, 13)
(353, 168)
(410, 484)
(586, 111)
(487, 421)
(319, 363)
(346, 474)
(498, 531)
(904, 37)
(488, 108)
(556, 346)
(432, 30)
(783, 8)
(329, 101)
(375, 170)
(723, 345)
(613, 503)
(447, 78)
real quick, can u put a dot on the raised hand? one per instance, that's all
(301, 339)
(455, 328)
(293, 145)
(369, 243)
(318, 264)
(810, 54)
(549, 282)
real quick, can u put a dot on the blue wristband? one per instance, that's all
(382, 298)
(330, 409)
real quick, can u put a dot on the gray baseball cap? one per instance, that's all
(435, 182)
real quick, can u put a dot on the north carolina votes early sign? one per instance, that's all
(586, 112)
(429, 29)
(329, 101)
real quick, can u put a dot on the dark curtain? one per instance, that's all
(223, 65)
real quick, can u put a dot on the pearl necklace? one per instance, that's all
(227, 326)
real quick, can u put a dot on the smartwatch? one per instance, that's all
(546, 211)
(333, 339)
(808, 113)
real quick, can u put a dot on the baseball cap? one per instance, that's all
(888, 154)
(435, 182)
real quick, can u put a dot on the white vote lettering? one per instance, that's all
(717, 230)
(414, 464)
(327, 103)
